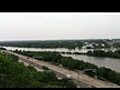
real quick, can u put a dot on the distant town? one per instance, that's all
(70, 44)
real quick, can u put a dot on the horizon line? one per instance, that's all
(59, 39)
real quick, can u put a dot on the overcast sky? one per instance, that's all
(53, 26)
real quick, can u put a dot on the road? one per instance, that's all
(77, 78)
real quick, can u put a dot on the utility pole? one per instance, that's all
(95, 71)
(32, 61)
(78, 74)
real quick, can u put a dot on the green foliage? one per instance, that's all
(15, 74)
(116, 45)
(46, 56)
(67, 62)
(101, 53)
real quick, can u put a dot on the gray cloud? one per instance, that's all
(60, 26)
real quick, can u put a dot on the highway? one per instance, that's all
(81, 80)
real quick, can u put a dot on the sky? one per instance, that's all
(59, 26)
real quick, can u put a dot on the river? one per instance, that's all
(111, 63)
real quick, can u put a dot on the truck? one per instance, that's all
(68, 76)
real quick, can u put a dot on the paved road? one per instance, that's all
(83, 78)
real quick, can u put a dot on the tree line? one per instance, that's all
(102, 53)
(70, 44)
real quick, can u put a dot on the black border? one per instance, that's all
(59, 6)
